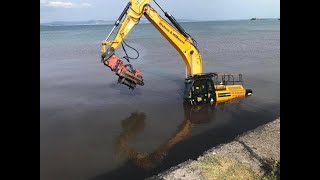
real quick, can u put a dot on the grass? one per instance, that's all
(274, 174)
(216, 167)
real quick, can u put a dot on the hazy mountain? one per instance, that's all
(97, 22)
(70, 23)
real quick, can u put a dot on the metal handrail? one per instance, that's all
(227, 78)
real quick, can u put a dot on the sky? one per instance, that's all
(109, 10)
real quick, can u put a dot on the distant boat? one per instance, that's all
(279, 19)
(252, 19)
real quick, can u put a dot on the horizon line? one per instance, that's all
(61, 21)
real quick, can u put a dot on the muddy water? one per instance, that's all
(93, 128)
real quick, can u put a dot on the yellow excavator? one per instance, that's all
(200, 88)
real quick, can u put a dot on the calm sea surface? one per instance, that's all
(93, 128)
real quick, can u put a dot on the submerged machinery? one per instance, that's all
(200, 88)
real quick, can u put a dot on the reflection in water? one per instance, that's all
(135, 124)
(131, 126)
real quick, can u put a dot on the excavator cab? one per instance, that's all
(199, 89)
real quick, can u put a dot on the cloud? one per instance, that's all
(85, 5)
(60, 4)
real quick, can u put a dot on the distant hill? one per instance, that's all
(97, 22)
(72, 23)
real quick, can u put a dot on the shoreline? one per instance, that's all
(253, 155)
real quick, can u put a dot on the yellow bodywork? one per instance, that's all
(229, 92)
(183, 45)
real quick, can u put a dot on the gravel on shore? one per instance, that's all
(252, 155)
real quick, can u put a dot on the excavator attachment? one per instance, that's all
(127, 75)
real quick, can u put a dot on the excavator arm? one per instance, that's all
(127, 75)
(177, 37)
